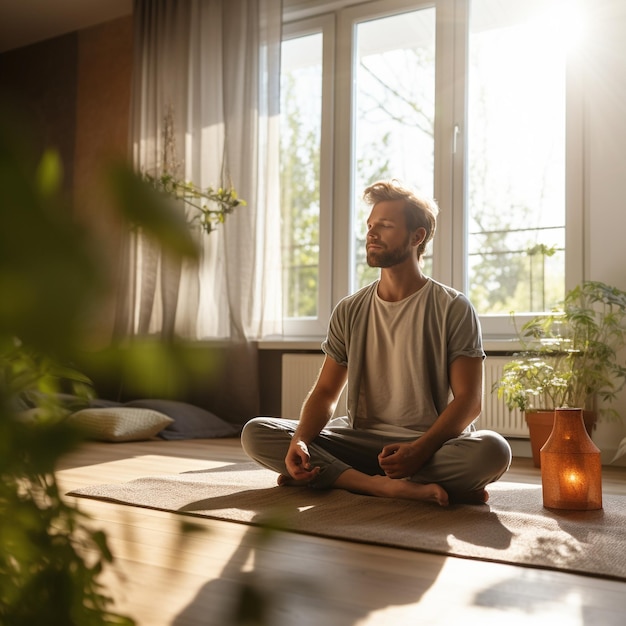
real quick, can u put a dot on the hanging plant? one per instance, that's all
(209, 206)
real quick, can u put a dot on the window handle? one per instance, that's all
(455, 135)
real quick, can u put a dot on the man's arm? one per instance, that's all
(466, 381)
(315, 414)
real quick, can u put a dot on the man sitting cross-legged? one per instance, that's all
(411, 352)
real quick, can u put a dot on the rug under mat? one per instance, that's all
(513, 527)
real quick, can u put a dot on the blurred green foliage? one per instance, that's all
(50, 281)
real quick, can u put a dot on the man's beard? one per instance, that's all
(389, 258)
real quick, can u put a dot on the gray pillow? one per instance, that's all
(190, 421)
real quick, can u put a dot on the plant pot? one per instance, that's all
(540, 425)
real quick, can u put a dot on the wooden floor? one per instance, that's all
(164, 577)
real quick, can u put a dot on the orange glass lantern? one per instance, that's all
(571, 469)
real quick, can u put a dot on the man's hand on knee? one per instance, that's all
(298, 462)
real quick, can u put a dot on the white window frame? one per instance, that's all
(316, 326)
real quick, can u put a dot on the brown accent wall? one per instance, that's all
(104, 73)
(73, 92)
(40, 82)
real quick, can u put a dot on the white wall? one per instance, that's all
(605, 164)
(605, 153)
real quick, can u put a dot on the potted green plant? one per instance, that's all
(570, 357)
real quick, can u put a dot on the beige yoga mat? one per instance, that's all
(512, 528)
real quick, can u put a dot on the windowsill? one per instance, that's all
(490, 345)
(290, 343)
(500, 345)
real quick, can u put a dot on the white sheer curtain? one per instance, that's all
(214, 64)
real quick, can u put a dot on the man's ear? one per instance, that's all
(418, 236)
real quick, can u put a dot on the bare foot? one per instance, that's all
(407, 490)
(287, 481)
(386, 487)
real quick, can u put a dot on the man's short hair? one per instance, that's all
(419, 211)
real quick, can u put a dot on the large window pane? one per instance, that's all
(394, 113)
(516, 155)
(301, 112)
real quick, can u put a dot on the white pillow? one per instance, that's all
(120, 423)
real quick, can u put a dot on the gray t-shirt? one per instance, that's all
(445, 326)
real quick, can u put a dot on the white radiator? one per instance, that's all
(299, 375)
(496, 415)
(300, 372)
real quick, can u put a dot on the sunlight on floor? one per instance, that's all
(529, 598)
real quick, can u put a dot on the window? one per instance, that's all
(394, 113)
(516, 156)
(306, 174)
(465, 100)
(301, 116)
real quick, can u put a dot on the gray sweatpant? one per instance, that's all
(463, 464)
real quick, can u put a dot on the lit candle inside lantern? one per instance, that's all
(574, 484)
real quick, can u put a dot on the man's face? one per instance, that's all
(388, 241)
